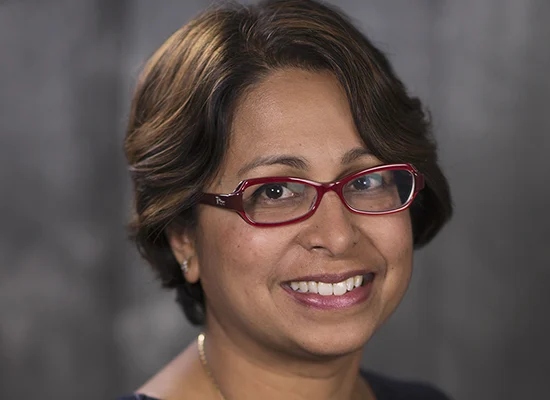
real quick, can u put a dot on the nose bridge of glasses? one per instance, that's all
(335, 187)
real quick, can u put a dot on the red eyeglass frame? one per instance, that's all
(233, 201)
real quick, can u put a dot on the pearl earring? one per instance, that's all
(185, 266)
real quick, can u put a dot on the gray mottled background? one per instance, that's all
(82, 317)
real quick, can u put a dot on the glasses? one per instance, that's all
(282, 200)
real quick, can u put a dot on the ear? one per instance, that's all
(182, 243)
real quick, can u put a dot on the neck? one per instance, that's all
(245, 370)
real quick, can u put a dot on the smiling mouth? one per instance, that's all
(332, 289)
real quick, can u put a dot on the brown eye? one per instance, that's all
(273, 192)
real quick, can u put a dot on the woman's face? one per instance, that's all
(245, 270)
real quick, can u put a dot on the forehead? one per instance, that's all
(293, 111)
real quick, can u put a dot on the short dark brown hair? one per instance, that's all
(184, 102)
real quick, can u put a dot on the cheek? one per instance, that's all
(391, 236)
(395, 244)
(229, 247)
(239, 269)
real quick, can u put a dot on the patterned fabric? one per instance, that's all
(384, 388)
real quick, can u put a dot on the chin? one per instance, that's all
(334, 341)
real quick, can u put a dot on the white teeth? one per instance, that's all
(338, 289)
(325, 289)
(328, 289)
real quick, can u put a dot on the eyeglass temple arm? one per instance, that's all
(231, 201)
(419, 180)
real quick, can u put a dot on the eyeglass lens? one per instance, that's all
(276, 202)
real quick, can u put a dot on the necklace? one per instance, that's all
(204, 362)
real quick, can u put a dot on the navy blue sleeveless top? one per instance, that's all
(384, 388)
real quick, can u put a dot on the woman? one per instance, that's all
(282, 177)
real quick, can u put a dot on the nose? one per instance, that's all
(331, 228)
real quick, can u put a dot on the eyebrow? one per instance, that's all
(354, 154)
(291, 161)
(298, 162)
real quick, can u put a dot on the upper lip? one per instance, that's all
(331, 278)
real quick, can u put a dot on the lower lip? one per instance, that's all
(352, 298)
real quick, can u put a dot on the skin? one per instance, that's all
(254, 328)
